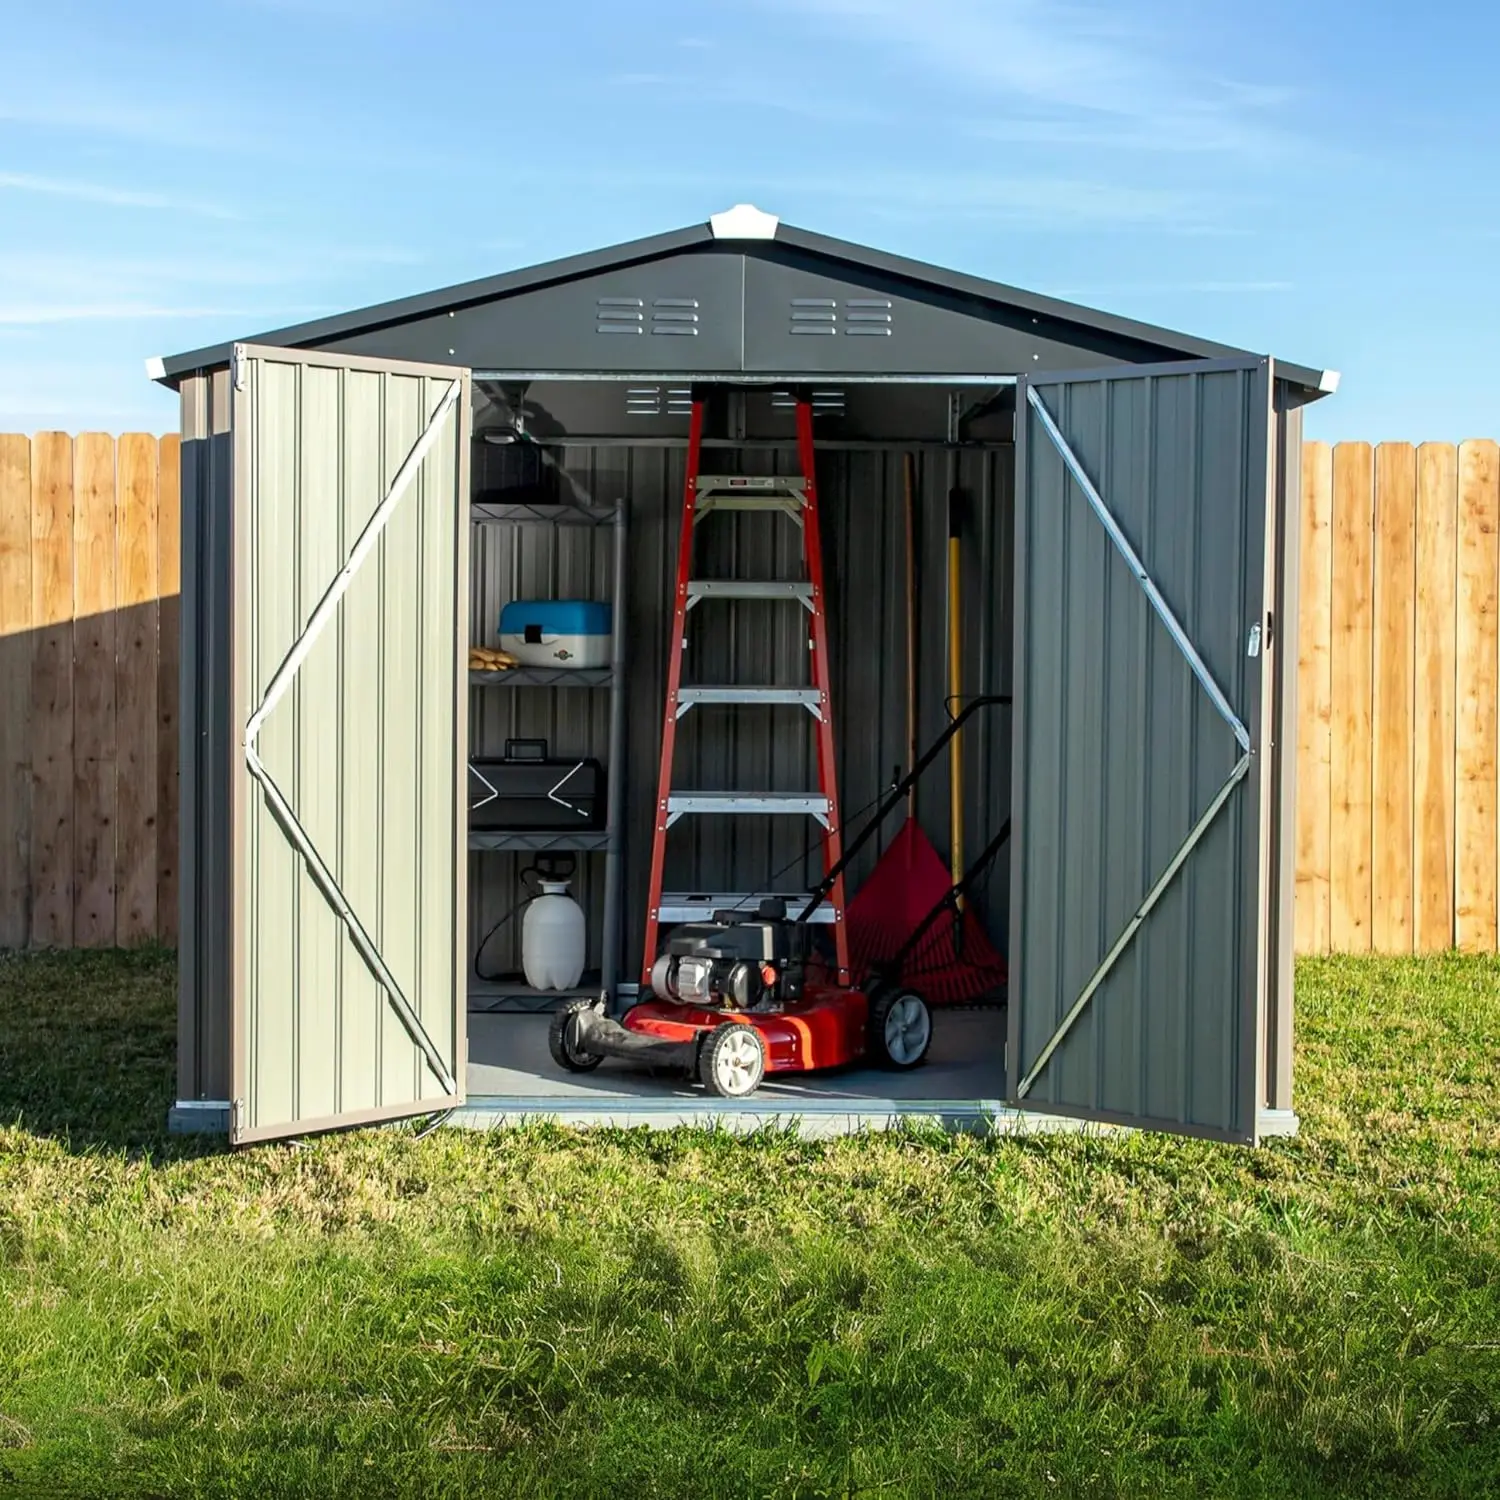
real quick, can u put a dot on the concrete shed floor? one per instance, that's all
(508, 1057)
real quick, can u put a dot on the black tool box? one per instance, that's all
(529, 791)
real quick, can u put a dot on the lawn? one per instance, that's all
(615, 1314)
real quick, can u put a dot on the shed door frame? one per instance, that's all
(1247, 723)
(251, 778)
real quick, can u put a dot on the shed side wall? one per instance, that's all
(204, 1013)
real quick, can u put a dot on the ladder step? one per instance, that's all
(805, 697)
(750, 492)
(792, 485)
(748, 588)
(691, 906)
(805, 804)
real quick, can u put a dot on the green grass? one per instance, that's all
(558, 1314)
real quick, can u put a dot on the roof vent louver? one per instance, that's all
(675, 315)
(814, 315)
(869, 317)
(619, 315)
(824, 403)
(651, 401)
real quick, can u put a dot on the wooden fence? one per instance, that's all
(88, 689)
(1398, 669)
(1398, 813)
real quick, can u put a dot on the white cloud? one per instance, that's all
(102, 193)
(1069, 75)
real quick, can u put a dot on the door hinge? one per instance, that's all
(237, 367)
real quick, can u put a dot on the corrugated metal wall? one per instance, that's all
(1123, 751)
(362, 746)
(207, 743)
(761, 642)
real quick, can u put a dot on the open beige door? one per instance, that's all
(349, 522)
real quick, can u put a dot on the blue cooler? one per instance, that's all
(556, 632)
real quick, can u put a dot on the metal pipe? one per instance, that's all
(955, 693)
(614, 873)
(909, 465)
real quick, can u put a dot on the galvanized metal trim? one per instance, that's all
(1132, 927)
(1148, 586)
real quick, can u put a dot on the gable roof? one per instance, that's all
(740, 228)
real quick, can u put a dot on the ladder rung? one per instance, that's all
(805, 804)
(748, 588)
(804, 697)
(691, 906)
(792, 485)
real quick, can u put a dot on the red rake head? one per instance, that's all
(955, 960)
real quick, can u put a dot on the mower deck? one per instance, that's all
(826, 1029)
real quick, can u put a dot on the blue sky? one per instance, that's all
(1313, 180)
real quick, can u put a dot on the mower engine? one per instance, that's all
(737, 963)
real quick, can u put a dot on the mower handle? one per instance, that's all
(894, 796)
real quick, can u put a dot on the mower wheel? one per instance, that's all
(732, 1060)
(900, 1028)
(562, 1039)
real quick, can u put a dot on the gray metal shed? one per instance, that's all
(1133, 495)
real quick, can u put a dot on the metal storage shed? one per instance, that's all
(1135, 499)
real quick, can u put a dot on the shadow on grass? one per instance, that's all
(88, 1047)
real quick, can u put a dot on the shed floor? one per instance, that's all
(508, 1057)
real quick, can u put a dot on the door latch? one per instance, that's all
(1253, 648)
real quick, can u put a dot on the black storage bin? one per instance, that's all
(529, 791)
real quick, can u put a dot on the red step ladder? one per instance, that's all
(796, 497)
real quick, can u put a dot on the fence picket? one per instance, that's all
(1433, 729)
(1352, 666)
(169, 658)
(1391, 705)
(1478, 670)
(52, 690)
(135, 690)
(1313, 703)
(17, 649)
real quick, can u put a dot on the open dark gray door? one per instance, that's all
(1138, 906)
(350, 524)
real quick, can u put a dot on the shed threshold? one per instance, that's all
(811, 1119)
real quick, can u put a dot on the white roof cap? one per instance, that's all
(744, 222)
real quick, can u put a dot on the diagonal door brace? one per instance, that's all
(1200, 670)
(1142, 577)
(281, 809)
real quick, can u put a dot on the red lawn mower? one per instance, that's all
(748, 994)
